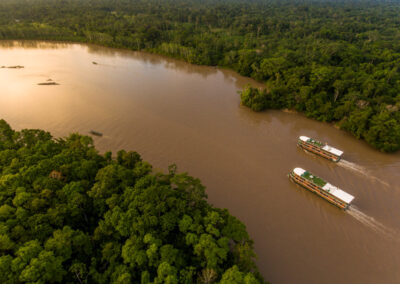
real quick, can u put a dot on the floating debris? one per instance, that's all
(13, 67)
(96, 133)
(95, 63)
(48, 84)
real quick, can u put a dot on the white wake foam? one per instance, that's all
(352, 166)
(370, 221)
(361, 170)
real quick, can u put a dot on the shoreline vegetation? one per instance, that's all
(69, 214)
(334, 61)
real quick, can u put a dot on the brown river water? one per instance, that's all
(173, 112)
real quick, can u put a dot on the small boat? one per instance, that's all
(95, 133)
(320, 148)
(48, 84)
(13, 67)
(322, 188)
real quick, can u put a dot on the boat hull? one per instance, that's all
(318, 191)
(318, 150)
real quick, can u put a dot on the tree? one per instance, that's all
(107, 220)
(384, 132)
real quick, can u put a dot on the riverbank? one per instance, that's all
(314, 67)
(83, 182)
(174, 112)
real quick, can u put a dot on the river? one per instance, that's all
(174, 112)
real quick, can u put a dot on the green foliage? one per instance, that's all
(254, 98)
(71, 215)
(335, 61)
(384, 132)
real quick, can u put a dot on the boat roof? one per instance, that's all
(332, 150)
(335, 191)
(304, 138)
(299, 171)
(327, 148)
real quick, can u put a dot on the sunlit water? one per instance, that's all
(173, 112)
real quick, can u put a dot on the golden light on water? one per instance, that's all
(173, 112)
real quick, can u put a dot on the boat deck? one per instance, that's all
(320, 148)
(324, 189)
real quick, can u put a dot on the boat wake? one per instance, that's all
(370, 222)
(353, 166)
(361, 170)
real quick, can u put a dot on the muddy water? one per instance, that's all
(172, 112)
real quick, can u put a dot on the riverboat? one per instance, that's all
(322, 188)
(320, 148)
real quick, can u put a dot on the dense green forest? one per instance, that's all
(335, 61)
(71, 215)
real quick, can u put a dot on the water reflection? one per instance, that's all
(148, 58)
(170, 111)
(33, 44)
(153, 59)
